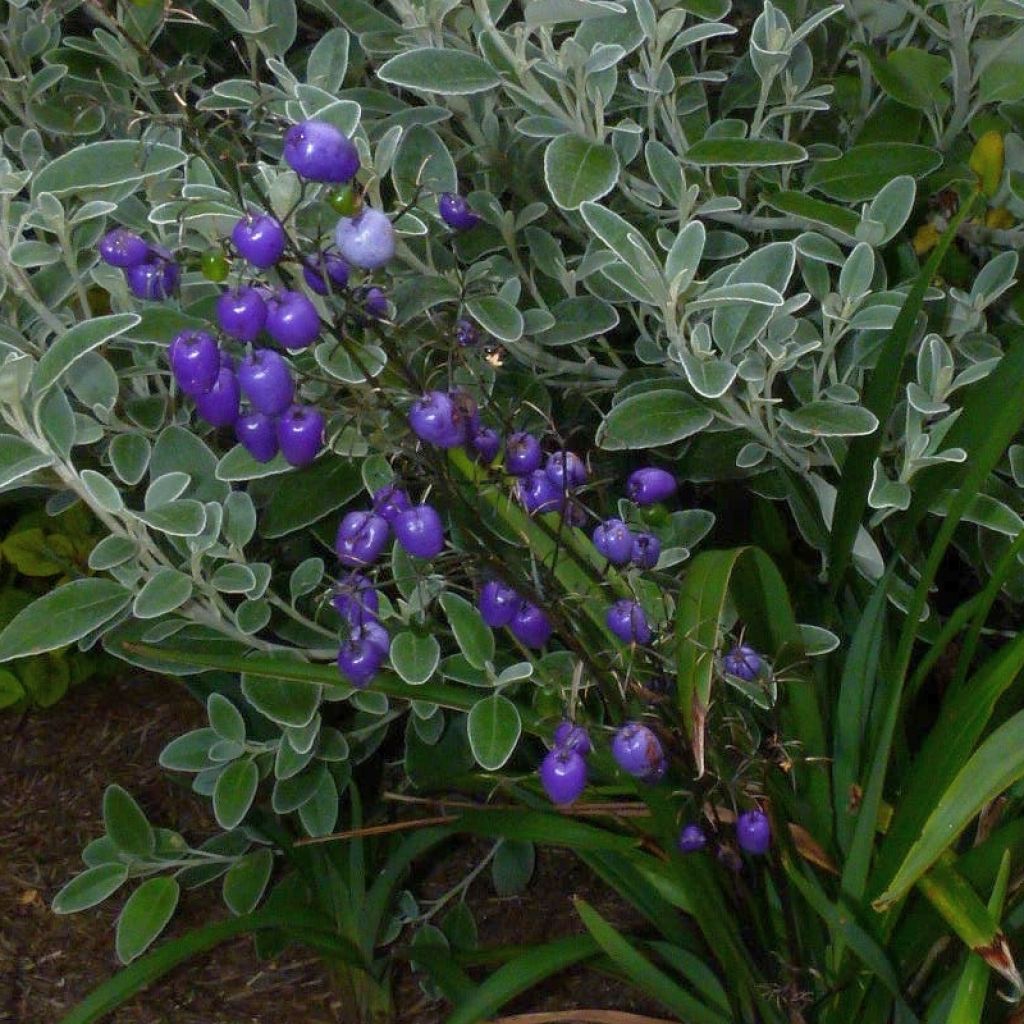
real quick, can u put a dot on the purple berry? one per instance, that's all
(649, 486)
(266, 381)
(260, 239)
(363, 653)
(374, 303)
(754, 832)
(637, 751)
(614, 540)
(563, 774)
(530, 625)
(522, 454)
(242, 313)
(155, 279)
(419, 531)
(435, 419)
(292, 320)
(498, 604)
(456, 212)
(361, 538)
(257, 434)
(195, 361)
(692, 839)
(300, 434)
(325, 273)
(466, 333)
(566, 470)
(744, 662)
(227, 360)
(646, 550)
(538, 494)
(627, 621)
(355, 600)
(219, 405)
(572, 736)
(123, 248)
(389, 501)
(485, 444)
(317, 151)
(366, 240)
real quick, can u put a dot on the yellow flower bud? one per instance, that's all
(925, 239)
(987, 162)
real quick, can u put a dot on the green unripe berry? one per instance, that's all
(215, 265)
(343, 201)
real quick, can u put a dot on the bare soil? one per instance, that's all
(54, 766)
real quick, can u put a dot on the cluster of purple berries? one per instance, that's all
(151, 271)
(500, 605)
(563, 772)
(753, 834)
(362, 537)
(274, 423)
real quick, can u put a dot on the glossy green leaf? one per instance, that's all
(475, 639)
(125, 823)
(744, 153)
(144, 916)
(578, 170)
(651, 419)
(62, 616)
(415, 657)
(494, 729)
(234, 792)
(90, 888)
(106, 164)
(449, 72)
(76, 342)
(246, 881)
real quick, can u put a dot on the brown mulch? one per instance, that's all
(54, 767)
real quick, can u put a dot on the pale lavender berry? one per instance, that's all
(242, 313)
(563, 774)
(637, 751)
(366, 240)
(466, 333)
(260, 239)
(155, 279)
(355, 599)
(435, 419)
(389, 501)
(300, 434)
(530, 625)
(266, 381)
(646, 550)
(325, 272)
(743, 662)
(574, 737)
(692, 839)
(566, 470)
(486, 444)
(363, 653)
(361, 538)
(257, 434)
(219, 405)
(317, 151)
(651, 485)
(626, 619)
(754, 832)
(538, 494)
(456, 212)
(498, 604)
(522, 454)
(614, 539)
(195, 361)
(123, 248)
(419, 531)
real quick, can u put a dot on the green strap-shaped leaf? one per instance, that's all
(648, 978)
(969, 1001)
(996, 765)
